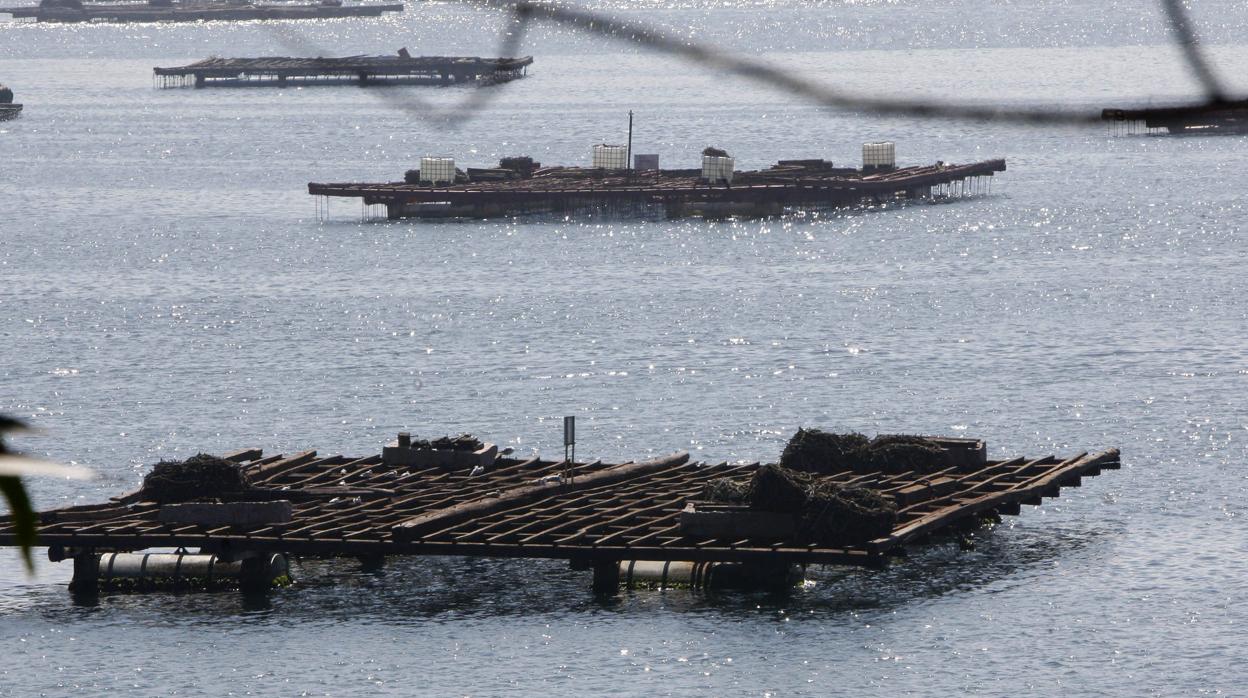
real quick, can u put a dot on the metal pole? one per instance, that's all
(629, 155)
(569, 442)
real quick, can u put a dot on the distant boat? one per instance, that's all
(8, 109)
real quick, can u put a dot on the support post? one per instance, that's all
(606, 577)
(86, 579)
(253, 577)
(372, 562)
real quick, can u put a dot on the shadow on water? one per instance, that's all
(449, 590)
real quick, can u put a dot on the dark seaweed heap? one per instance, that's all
(463, 442)
(815, 451)
(6, 95)
(776, 488)
(727, 490)
(895, 453)
(829, 514)
(199, 477)
(836, 515)
(712, 151)
(521, 164)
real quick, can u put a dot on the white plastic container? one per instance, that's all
(717, 169)
(611, 157)
(437, 170)
(879, 156)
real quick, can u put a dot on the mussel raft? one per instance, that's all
(790, 185)
(833, 499)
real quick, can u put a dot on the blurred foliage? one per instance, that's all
(15, 466)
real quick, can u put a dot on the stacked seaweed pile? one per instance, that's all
(6, 95)
(828, 514)
(815, 451)
(520, 164)
(463, 442)
(201, 476)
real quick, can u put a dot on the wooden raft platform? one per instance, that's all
(670, 193)
(520, 508)
(193, 11)
(364, 70)
(1229, 117)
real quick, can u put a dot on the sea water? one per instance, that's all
(167, 287)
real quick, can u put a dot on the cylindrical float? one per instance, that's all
(139, 571)
(710, 576)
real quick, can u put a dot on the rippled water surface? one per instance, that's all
(166, 287)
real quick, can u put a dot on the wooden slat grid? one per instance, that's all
(345, 506)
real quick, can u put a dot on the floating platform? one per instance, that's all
(1229, 117)
(593, 513)
(192, 11)
(362, 70)
(669, 193)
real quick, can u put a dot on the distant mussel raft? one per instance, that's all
(613, 186)
(399, 69)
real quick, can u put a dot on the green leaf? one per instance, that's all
(24, 519)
